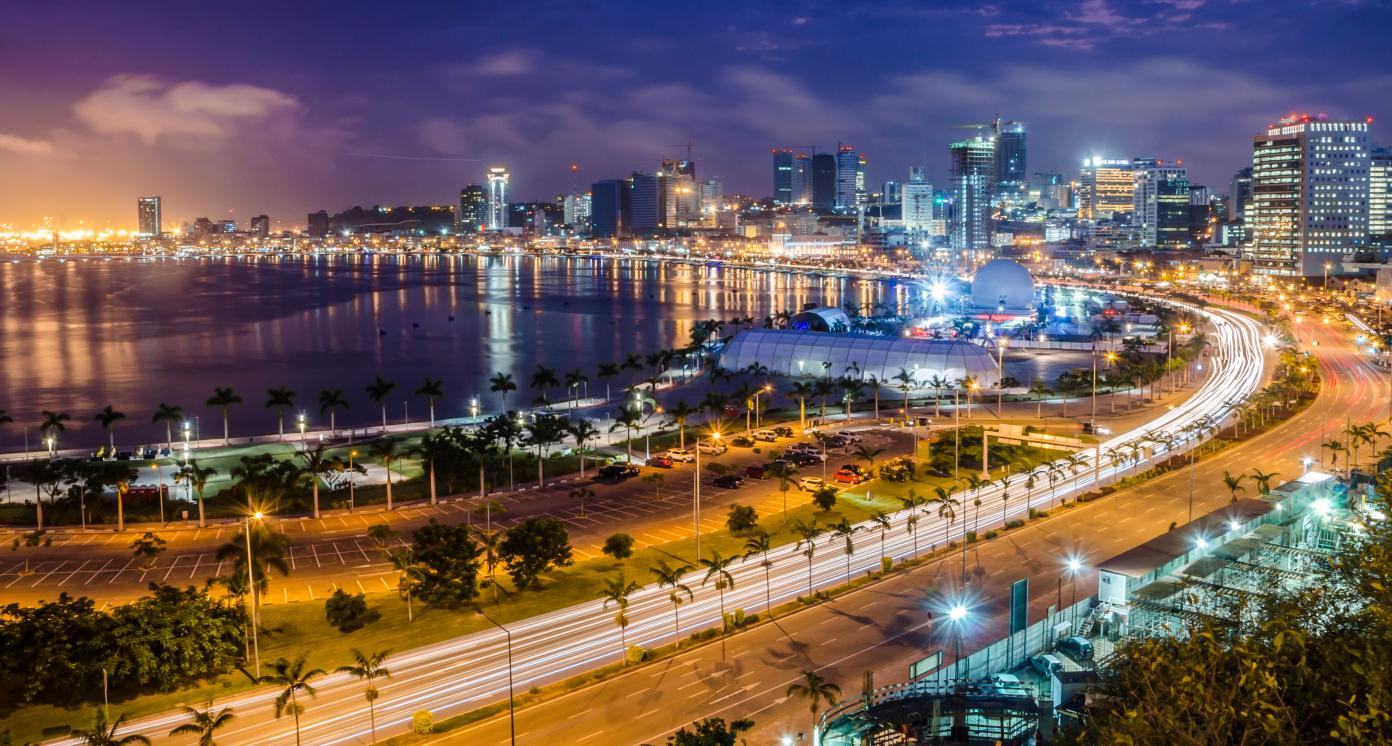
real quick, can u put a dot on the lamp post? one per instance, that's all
(300, 421)
(696, 492)
(958, 615)
(512, 710)
(1001, 342)
(251, 588)
(1074, 567)
(351, 504)
(754, 404)
(474, 409)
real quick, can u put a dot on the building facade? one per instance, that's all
(1310, 183)
(973, 175)
(609, 208)
(148, 217)
(917, 202)
(498, 179)
(782, 176)
(473, 210)
(850, 178)
(1010, 157)
(1380, 196)
(1160, 204)
(824, 182)
(1107, 189)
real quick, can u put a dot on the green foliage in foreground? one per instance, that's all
(55, 652)
(1298, 666)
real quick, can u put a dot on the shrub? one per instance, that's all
(637, 654)
(619, 546)
(346, 611)
(990, 535)
(742, 519)
(423, 723)
(1016, 523)
(825, 498)
(971, 537)
(886, 564)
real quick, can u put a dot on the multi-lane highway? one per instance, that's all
(465, 673)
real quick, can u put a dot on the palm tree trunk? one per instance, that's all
(226, 440)
(432, 483)
(384, 418)
(281, 419)
(389, 495)
(200, 508)
(120, 511)
(372, 718)
(315, 478)
(333, 424)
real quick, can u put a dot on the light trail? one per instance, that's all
(459, 675)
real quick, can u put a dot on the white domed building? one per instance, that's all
(1002, 290)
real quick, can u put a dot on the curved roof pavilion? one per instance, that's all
(800, 353)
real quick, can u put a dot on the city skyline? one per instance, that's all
(290, 127)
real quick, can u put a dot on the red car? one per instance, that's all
(661, 462)
(755, 471)
(850, 475)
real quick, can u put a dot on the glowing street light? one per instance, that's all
(251, 588)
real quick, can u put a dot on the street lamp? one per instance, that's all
(1001, 342)
(251, 588)
(1074, 566)
(352, 452)
(696, 491)
(958, 616)
(474, 408)
(300, 421)
(753, 403)
(512, 710)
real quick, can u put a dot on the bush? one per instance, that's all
(971, 537)
(423, 723)
(637, 654)
(825, 498)
(619, 546)
(1016, 523)
(742, 519)
(990, 535)
(346, 611)
(886, 564)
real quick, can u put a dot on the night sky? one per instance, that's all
(238, 108)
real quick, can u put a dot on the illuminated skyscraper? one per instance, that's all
(609, 208)
(1010, 157)
(576, 208)
(649, 203)
(148, 215)
(1160, 203)
(1240, 194)
(918, 202)
(683, 203)
(973, 175)
(782, 176)
(473, 209)
(1107, 189)
(498, 178)
(824, 182)
(1380, 196)
(1310, 181)
(850, 178)
(261, 226)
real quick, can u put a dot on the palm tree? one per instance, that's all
(52, 427)
(204, 723)
(680, 413)
(501, 384)
(316, 462)
(1263, 480)
(544, 432)
(408, 576)
(108, 418)
(432, 448)
(970, 385)
(618, 590)
(293, 679)
(605, 372)
(627, 419)
(385, 450)
(760, 544)
(432, 389)
(268, 552)
(224, 398)
(278, 399)
(1040, 389)
(574, 381)
(1334, 447)
(197, 477)
(670, 577)
(166, 413)
(947, 508)
(104, 733)
(491, 552)
(815, 690)
(367, 668)
(582, 494)
(784, 473)
(1234, 484)
(807, 533)
(906, 384)
(543, 378)
(583, 431)
(938, 383)
(881, 521)
(378, 391)
(868, 455)
(331, 400)
(844, 530)
(717, 568)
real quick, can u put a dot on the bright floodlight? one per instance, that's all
(1202, 542)
(1074, 565)
(786, 741)
(1233, 525)
(958, 613)
(1322, 507)
(939, 290)
(257, 515)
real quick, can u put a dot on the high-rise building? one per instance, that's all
(1051, 188)
(782, 176)
(1309, 194)
(147, 210)
(891, 193)
(317, 226)
(683, 204)
(802, 179)
(1107, 189)
(473, 210)
(261, 226)
(1380, 196)
(1160, 203)
(849, 171)
(609, 208)
(973, 175)
(1010, 157)
(824, 182)
(576, 208)
(649, 203)
(712, 202)
(1240, 194)
(917, 208)
(498, 178)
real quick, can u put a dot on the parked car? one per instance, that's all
(836, 441)
(661, 462)
(846, 475)
(684, 455)
(729, 481)
(1008, 685)
(739, 441)
(1076, 647)
(810, 447)
(1046, 664)
(783, 431)
(768, 436)
(617, 472)
(756, 471)
(849, 437)
(811, 484)
(713, 449)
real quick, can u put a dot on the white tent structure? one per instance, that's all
(799, 353)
